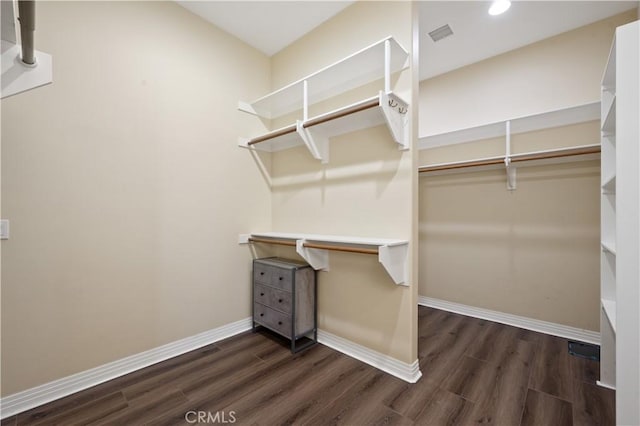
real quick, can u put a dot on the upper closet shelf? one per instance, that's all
(315, 132)
(392, 253)
(557, 118)
(374, 62)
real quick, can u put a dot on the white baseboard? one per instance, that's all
(34, 397)
(605, 385)
(39, 395)
(407, 372)
(515, 320)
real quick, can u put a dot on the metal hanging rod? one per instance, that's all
(341, 248)
(272, 241)
(272, 135)
(369, 103)
(347, 249)
(515, 158)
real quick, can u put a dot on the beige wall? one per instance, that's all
(558, 72)
(365, 190)
(534, 251)
(125, 188)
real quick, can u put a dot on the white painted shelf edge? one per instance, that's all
(609, 308)
(392, 253)
(556, 118)
(373, 62)
(609, 184)
(315, 132)
(609, 246)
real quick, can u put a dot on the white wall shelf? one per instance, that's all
(314, 248)
(386, 108)
(374, 62)
(561, 117)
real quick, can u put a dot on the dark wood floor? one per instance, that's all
(474, 372)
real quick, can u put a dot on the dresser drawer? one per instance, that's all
(262, 273)
(273, 298)
(281, 278)
(277, 321)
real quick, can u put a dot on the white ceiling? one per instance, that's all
(269, 26)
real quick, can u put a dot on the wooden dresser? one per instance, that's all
(284, 300)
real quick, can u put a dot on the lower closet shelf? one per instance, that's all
(314, 248)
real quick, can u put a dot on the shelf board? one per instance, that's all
(362, 67)
(556, 118)
(392, 253)
(337, 239)
(315, 132)
(609, 184)
(609, 247)
(609, 308)
(609, 123)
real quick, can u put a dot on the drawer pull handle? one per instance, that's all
(279, 322)
(261, 273)
(279, 300)
(280, 278)
(261, 294)
(261, 315)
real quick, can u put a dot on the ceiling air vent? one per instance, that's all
(440, 33)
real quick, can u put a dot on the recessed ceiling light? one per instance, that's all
(499, 7)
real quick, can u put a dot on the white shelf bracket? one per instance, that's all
(395, 112)
(317, 258)
(394, 260)
(510, 168)
(243, 143)
(316, 142)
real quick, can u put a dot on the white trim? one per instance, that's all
(39, 395)
(604, 385)
(34, 397)
(407, 372)
(554, 329)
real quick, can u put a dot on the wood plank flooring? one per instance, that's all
(474, 372)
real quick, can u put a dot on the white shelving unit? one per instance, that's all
(378, 61)
(608, 225)
(546, 120)
(314, 248)
(620, 226)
